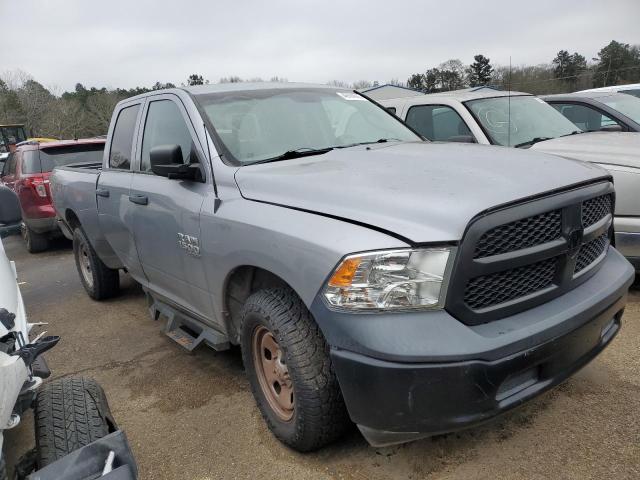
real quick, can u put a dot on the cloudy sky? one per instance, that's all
(120, 43)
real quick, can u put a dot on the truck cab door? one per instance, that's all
(112, 189)
(166, 213)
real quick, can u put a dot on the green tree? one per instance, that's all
(195, 79)
(479, 72)
(617, 63)
(451, 75)
(568, 67)
(417, 82)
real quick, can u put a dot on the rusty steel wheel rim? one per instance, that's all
(273, 373)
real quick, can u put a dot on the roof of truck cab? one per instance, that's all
(245, 86)
(234, 87)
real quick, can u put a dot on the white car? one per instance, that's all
(488, 116)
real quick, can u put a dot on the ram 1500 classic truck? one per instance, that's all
(413, 288)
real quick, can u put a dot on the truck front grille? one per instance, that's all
(518, 257)
(487, 290)
(520, 234)
(591, 251)
(595, 209)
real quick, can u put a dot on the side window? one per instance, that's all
(165, 125)
(392, 110)
(584, 117)
(437, 122)
(7, 164)
(122, 141)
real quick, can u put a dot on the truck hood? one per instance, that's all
(421, 192)
(611, 148)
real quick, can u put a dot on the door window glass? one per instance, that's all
(165, 125)
(586, 118)
(122, 141)
(437, 122)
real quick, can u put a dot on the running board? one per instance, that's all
(186, 331)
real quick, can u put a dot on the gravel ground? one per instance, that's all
(193, 416)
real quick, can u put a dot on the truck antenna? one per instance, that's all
(509, 107)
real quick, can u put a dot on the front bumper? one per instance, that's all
(462, 375)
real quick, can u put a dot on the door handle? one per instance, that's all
(102, 192)
(139, 199)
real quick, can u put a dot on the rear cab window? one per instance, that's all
(53, 157)
(122, 138)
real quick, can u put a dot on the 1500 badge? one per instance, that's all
(190, 244)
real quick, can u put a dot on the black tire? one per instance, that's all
(319, 415)
(98, 280)
(69, 413)
(34, 242)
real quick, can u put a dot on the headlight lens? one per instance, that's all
(390, 280)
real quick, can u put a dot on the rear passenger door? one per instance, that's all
(114, 183)
(166, 219)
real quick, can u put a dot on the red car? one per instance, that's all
(27, 172)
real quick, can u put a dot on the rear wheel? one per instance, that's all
(98, 280)
(69, 414)
(290, 372)
(35, 242)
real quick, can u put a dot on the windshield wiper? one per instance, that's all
(291, 154)
(380, 140)
(575, 132)
(533, 141)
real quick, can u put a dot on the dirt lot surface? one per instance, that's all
(193, 416)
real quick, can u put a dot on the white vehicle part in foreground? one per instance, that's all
(13, 371)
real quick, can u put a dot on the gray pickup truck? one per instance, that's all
(368, 275)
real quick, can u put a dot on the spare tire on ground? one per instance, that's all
(69, 413)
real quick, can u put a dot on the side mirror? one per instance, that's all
(10, 213)
(166, 161)
(461, 139)
(611, 128)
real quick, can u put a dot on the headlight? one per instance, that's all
(390, 280)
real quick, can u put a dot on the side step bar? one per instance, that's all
(186, 331)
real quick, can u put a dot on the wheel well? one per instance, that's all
(72, 219)
(241, 283)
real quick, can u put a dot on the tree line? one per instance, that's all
(616, 63)
(86, 112)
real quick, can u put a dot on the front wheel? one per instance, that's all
(98, 280)
(290, 372)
